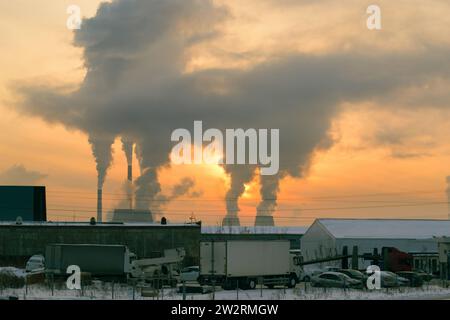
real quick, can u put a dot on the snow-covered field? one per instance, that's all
(99, 290)
(104, 291)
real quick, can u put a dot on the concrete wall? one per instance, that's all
(19, 242)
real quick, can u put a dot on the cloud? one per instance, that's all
(18, 174)
(136, 86)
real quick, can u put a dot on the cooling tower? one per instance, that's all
(230, 221)
(264, 221)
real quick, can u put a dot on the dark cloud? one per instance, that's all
(136, 87)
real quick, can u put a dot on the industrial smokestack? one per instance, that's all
(127, 146)
(130, 185)
(99, 205)
(130, 173)
(264, 221)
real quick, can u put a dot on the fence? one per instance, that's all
(132, 290)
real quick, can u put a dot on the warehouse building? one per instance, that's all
(218, 233)
(20, 241)
(328, 237)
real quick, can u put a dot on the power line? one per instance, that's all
(418, 204)
(294, 199)
(149, 199)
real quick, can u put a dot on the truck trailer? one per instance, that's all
(98, 260)
(243, 264)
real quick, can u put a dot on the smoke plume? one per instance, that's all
(135, 53)
(239, 176)
(102, 151)
(127, 147)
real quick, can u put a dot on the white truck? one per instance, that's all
(236, 263)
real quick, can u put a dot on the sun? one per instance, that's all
(247, 191)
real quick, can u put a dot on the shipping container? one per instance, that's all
(98, 260)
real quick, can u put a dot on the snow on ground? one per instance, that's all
(103, 291)
(13, 272)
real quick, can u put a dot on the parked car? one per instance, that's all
(390, 279)
(355, 274)
(309, 273)
(424, 275)
(36, 262)
(334, 280)
(414, 279)
(190, 273)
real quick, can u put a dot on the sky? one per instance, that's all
(365, 113)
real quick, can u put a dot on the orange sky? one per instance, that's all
(359, 171)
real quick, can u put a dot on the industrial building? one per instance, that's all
(221, 233)
(20, 241)
(328, 237)
(26, 202)
(132, 215)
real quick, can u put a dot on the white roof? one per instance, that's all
(386, 228)
(252, 230)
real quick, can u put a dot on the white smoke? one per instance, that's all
(137, 86)
(127, 147)
(102, 151)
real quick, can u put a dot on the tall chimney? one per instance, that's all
(99, 205)
(130, 181)
(130, 173)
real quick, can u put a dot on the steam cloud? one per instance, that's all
(102, 151)
(127, 147)
(136, 86)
